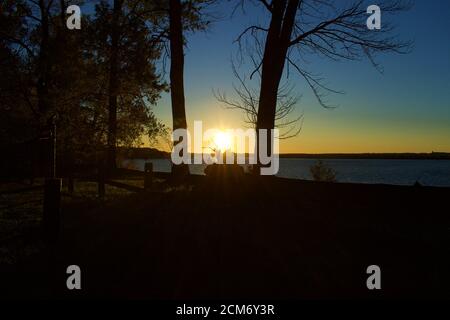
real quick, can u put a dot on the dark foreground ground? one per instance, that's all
(266, 238)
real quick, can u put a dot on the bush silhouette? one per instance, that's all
(321, 172)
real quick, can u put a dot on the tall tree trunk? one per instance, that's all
(113, 86)
(43, 78)
(275, 51)
(63, 7)
(177, 75)
(43, 69)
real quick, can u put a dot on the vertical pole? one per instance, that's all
(70, 172)
(32, 164)
(52, 192)
(32, 170)
(148, 175)
(52, 209)
(70, 185)
(101, 180)
(53, 149)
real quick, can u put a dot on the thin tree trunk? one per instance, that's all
(113, 86)
(177, 75)
(43, 64)
(62, 4)
(43, 78)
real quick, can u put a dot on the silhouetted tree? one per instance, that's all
(32, 43)
(177, 74)
(174, 18)
(247, 101)
(331, 29)
(66, 73)
(123, 55)
(113, 85)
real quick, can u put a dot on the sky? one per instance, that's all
(405, 109)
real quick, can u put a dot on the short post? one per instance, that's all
(101, 182)
(148, 175)
(70, 184)
(52, 209)
(32, 170)
(53, 147)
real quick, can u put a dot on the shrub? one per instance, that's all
(321, 172)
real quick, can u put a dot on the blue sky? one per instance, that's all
(405, 109)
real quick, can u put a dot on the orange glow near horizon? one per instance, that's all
(329, 134)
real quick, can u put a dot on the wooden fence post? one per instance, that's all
(52, 209)
(53, 147)
(70, 184)
(101, 181)
(148, 175)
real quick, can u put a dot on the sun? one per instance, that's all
(223, 141)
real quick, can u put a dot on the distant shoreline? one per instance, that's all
(152, 153)
(387, 156)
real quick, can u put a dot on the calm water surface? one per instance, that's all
(400, 172)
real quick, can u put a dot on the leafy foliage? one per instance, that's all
(68, 70)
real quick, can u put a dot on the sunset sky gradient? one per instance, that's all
(405, 109)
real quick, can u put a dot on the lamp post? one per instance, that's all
(52, 192)
(53, 148)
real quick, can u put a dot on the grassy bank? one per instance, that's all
(21, 214)
(252, 238)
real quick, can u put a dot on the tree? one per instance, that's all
(174, 18)
(67, 75)
(332, 29)
(113, 85)
(177, 74)
(30, 41)
(123, 54)
(247, 101)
